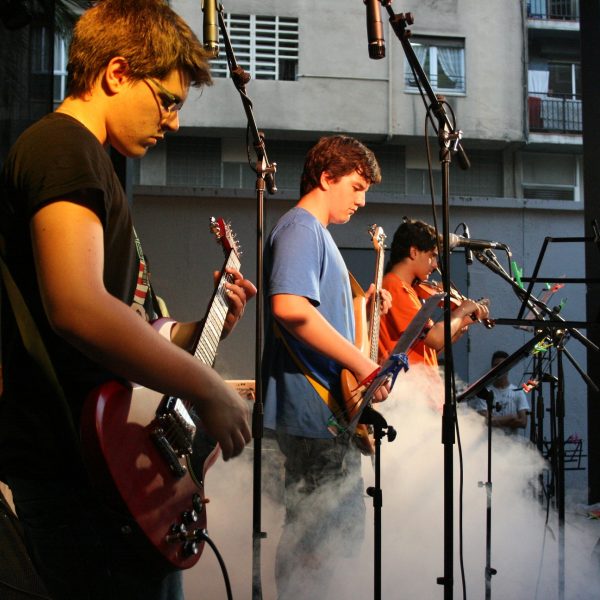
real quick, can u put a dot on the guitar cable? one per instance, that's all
(203, 536)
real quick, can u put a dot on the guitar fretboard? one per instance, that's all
(376, 306)
(210, 335)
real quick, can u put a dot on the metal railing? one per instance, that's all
(564, 10)
(556, 113)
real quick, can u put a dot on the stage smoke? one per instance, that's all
(525, 550)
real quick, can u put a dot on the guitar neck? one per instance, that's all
(375, 316)
(205, 349)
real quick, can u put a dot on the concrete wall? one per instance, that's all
(340, 89)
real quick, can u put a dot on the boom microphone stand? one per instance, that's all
(449, 141)
(265, 178)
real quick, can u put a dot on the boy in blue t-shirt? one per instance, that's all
(310, 325)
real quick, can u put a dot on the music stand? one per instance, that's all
(501, 368)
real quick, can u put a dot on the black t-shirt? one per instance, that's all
(55, 159)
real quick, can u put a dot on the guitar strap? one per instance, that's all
(322, 391)
(31, 337)
(355, 287)
(325, 394)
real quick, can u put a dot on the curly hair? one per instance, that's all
(411, 233)
(338, 155)
(148, 33)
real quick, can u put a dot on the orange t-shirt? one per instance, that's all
(405, 305)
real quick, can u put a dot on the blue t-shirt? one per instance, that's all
(302, 259)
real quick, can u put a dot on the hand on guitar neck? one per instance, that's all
(238, 291)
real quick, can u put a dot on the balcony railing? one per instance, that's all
(554, 114)
(562, 10)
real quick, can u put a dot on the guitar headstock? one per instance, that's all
(225, 236)
(378, 236)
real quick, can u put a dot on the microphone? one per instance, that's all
(375, 29)
(468, 251)
(210, 29)
(456, 241)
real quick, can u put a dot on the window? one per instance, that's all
(392, 161)
(554, 101)
(265, 47)
(564, 79)
(567, 10)
(443, 60)
(193, 161)
(61, 47)
(288, 156)
(41, 56)
(484, 179)
(550, 177)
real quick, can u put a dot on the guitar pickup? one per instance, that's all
(167, 452)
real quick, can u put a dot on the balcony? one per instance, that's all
(554, 114)
(555, 10)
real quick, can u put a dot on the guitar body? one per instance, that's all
(119, 445)
(352, 395)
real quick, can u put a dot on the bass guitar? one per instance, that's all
(149, 452)
(366, 339)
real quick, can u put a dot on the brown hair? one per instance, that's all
(411, 233)
(338, 155)
(148, 33)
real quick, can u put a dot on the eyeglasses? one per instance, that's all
(169, 102)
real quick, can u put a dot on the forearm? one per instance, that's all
(514, 421)
(306, 324)
(69, 252)
(435, 337)
(114, 336)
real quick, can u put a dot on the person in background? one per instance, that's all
(510, 405)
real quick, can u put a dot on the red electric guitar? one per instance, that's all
(150, 453)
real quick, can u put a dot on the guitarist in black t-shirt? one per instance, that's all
(72, 250)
